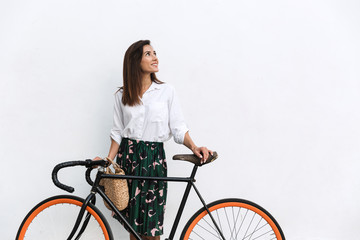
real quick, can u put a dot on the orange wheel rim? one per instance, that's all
(234, 204)
(58, 201)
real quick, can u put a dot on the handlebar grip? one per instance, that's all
(64, 165)
(87, 163)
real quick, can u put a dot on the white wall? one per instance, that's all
(273, 86)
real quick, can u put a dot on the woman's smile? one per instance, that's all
(149, 62)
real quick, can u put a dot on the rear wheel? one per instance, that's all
(54, 218)
(236, 218)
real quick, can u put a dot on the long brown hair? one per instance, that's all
(132, 73)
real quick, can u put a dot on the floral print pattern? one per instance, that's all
(145, 212)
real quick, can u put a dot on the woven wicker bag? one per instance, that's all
(116, 189)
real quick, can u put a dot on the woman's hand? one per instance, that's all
(95, 159)
(202, 152)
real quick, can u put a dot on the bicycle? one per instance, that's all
(225, 219)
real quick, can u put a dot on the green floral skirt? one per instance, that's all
(147, 202)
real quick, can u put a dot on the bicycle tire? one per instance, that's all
(58, 210)
(237, 219)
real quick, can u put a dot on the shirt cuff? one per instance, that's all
(180, 135)
(116, 137)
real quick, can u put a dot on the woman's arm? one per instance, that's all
(118, 126)
(201, 152)
(114, 147)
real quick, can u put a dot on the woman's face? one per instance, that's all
(149, 61)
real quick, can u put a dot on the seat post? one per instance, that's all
(193, 173)
(183, 202)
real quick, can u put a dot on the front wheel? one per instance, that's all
(236, 218)
(55, 217)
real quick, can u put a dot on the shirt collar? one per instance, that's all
(153, 86)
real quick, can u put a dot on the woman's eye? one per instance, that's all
(147, 54)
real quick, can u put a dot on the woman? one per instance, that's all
(147, 113)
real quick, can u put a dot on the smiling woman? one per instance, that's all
(149, 62)
(140, 60)
(146, 114)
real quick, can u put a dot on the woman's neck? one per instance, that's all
(145, 83)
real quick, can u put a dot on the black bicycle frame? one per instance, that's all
(98, 189)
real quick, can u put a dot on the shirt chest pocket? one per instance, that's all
(158, 111)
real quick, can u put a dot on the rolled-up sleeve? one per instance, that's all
(177, 123)
(118, 125)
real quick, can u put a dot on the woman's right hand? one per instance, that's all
(97, 158)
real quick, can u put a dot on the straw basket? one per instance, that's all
(116, 189)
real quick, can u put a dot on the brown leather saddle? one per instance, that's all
(194, 159)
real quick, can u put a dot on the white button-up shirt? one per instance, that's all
(156, 119)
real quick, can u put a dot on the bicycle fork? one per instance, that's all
(91, 198)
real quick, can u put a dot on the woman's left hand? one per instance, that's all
(202, 152)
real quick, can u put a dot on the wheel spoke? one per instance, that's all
(255, 228)
(252, 219)
(235, 222)
(198, 235)
(210, 225)
(263, 235)
(227, 219)
(242, 222)
(207, 229)
(219, 222)
(237, 219)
